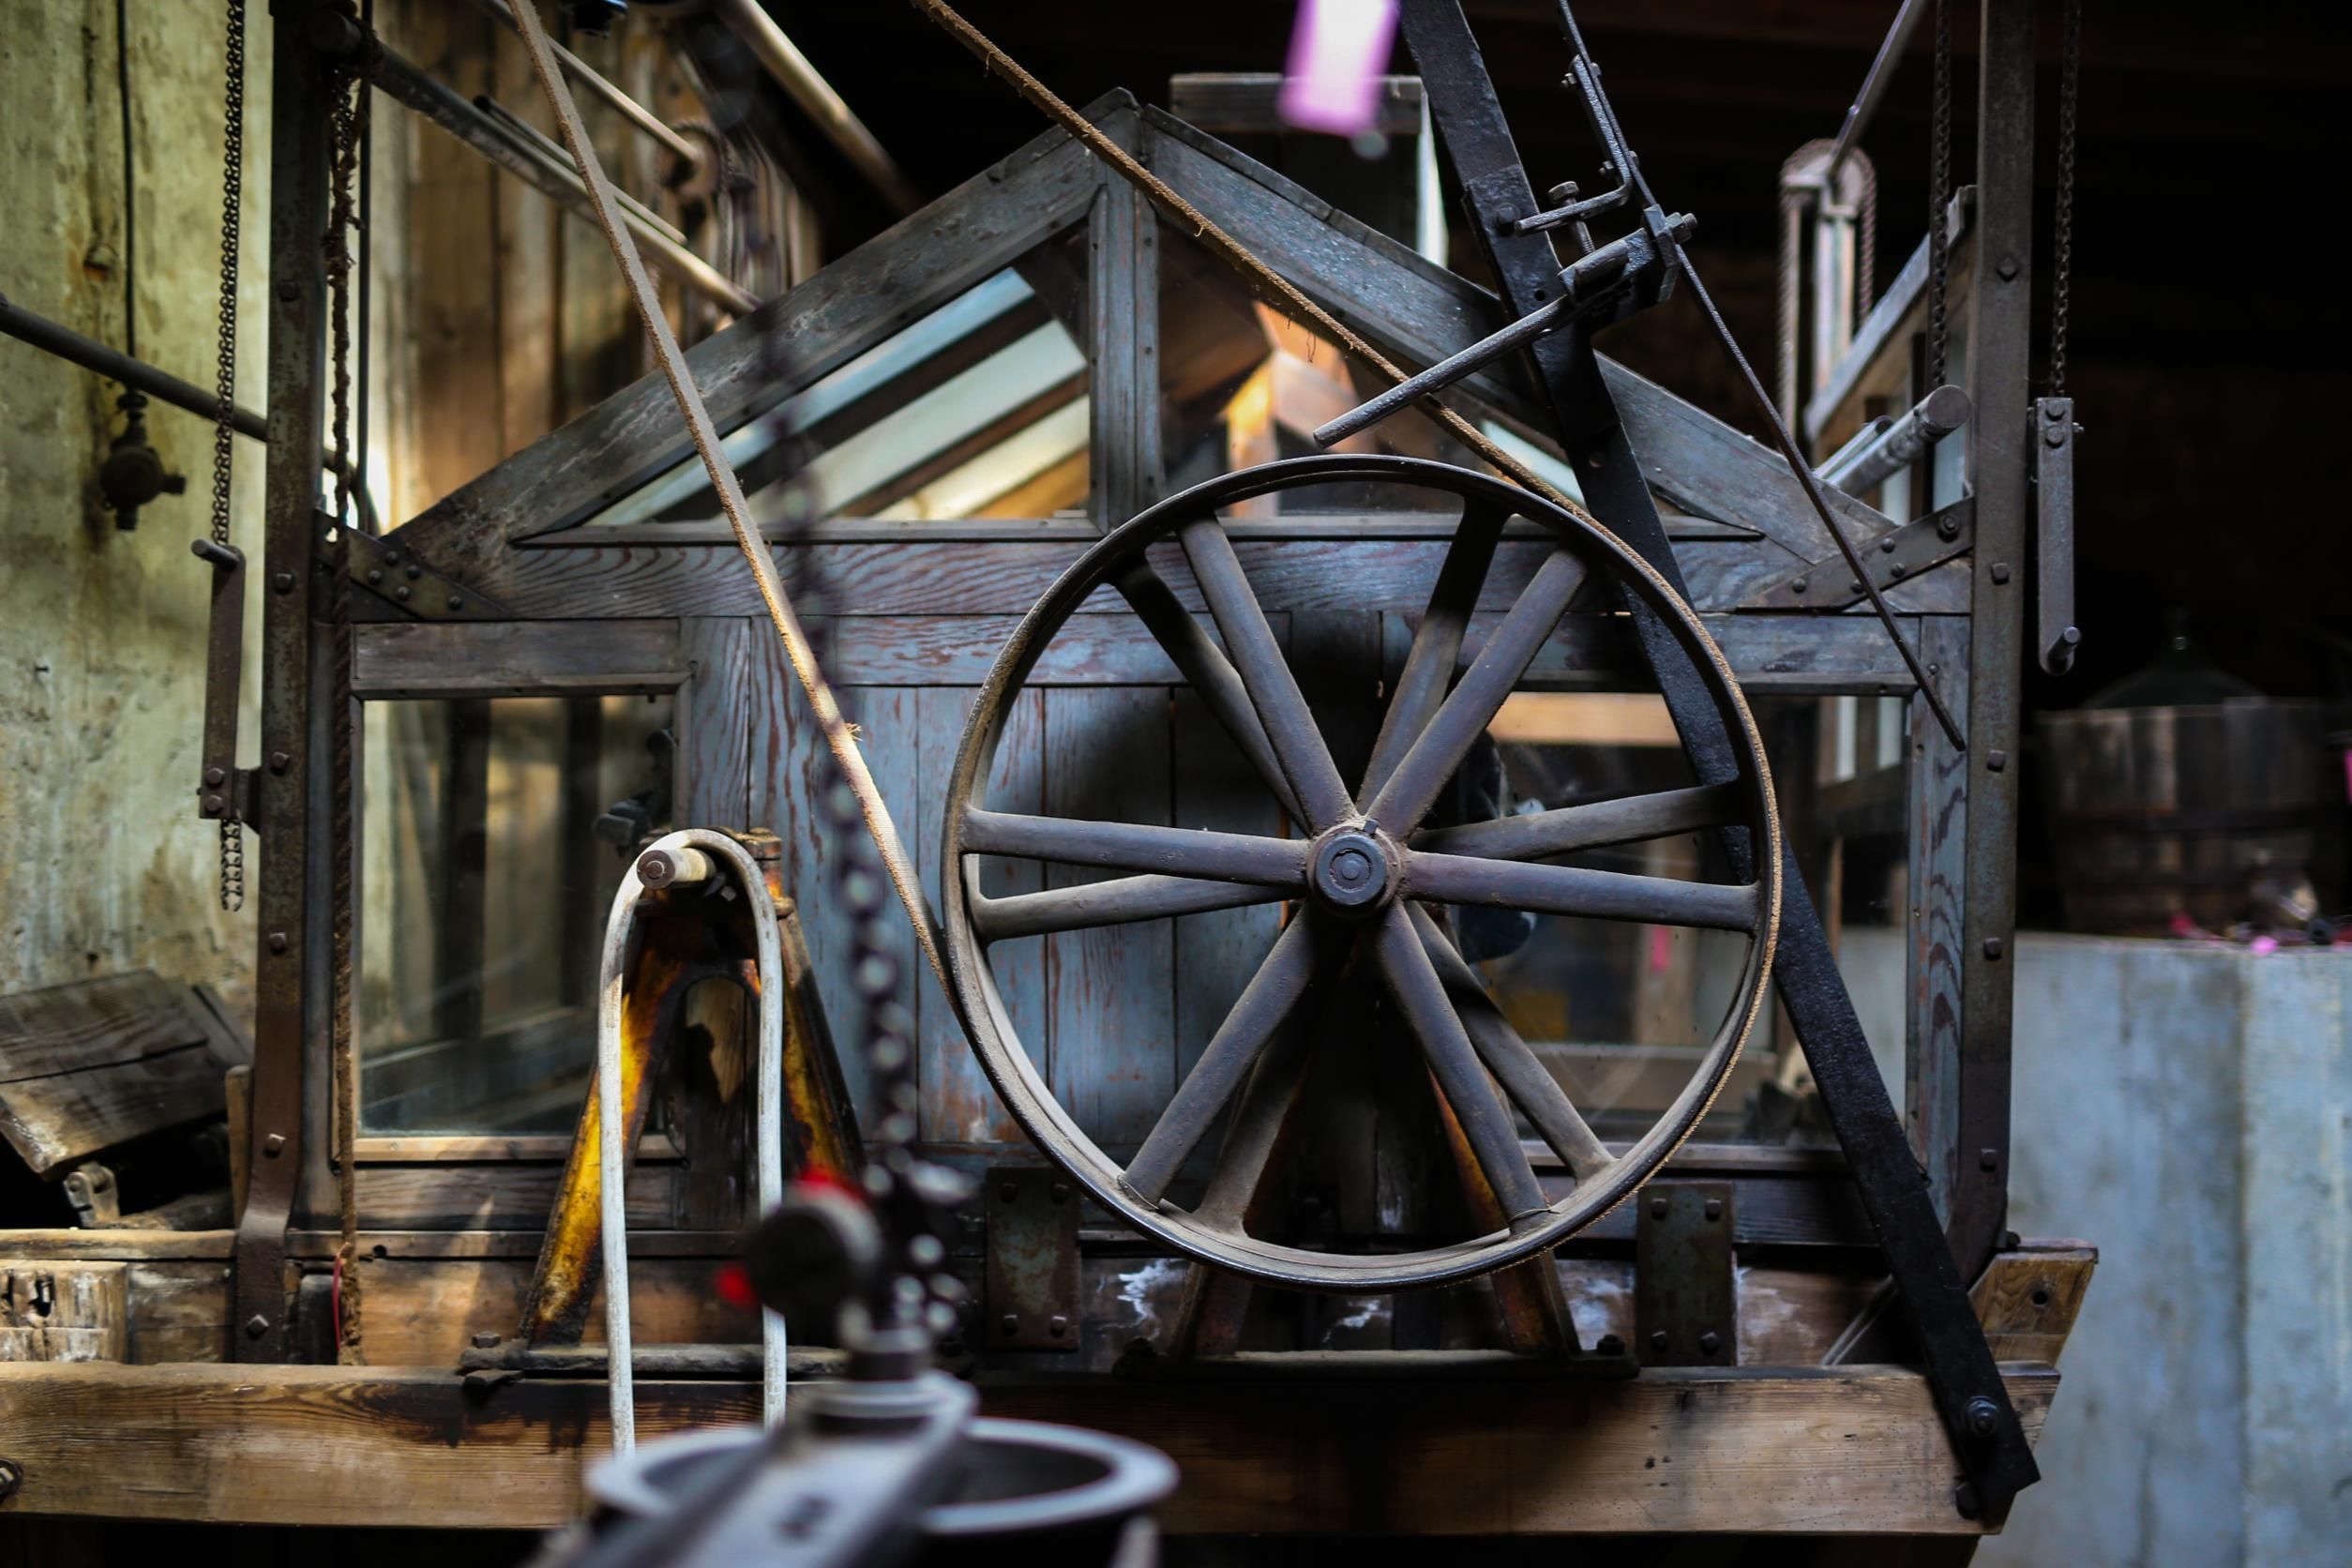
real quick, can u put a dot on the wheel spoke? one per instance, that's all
(1265, 1006)
(1400, 803)
(1298, 745)
(1137, 847)
(1533, 1090)
(1438, 642)
(1203, 663)
(1541, 833)
(1453, 1061)
(1512, 884)
(1119, 901)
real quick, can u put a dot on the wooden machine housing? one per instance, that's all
(1803, 1435)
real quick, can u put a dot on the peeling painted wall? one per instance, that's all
(104, 864)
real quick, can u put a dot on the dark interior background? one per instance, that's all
(2207, 318)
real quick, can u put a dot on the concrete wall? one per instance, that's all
(2189, 1110)
(103, 862)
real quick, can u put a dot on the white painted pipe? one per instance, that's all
(699, 847)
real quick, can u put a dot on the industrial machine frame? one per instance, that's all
(495, 592)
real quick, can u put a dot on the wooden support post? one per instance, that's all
(1123, 345)
(291, 980)
(1936, 817)
(459, 931)
(2001, 322)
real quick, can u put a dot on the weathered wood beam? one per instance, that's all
(926, 260)
(1474, 1449)
(515, 659)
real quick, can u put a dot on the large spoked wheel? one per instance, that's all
(1364, 877)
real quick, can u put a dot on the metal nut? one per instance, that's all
(2000, 571)
(1710, 1342)
(486, 1342)
(1995, 760)
(1715, 1207)
(1658, 1341)
(282, 581)
(256, 1326)
(1984, 1417)
(214, 777)
(1059, 1328)
(274, 1145)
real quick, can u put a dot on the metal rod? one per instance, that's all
(1856, 469)
(114, 365)
(1874, 87)
(531, 136)
(637, 114)
(66, 343)
(1444, 373)
(405, 84)
(782, 59)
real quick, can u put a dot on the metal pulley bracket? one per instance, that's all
(1687, 1305)
(2056, 635)
(1033, 1271)
(225, 792)
(394, 574)
(1893, 557)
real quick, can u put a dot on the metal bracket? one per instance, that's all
(1686, 1306)
(1892, 557)
(1033, 1276)
(394, 574)
(95, 1199)
(225, 792)
(2054, 433)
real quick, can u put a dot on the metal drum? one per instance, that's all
(2220, 811)
(1059, 1495)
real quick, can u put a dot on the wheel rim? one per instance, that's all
(1359, 877)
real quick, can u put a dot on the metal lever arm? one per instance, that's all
(2054, 532)
(224, 794)
(1588, 278)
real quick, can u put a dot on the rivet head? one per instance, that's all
(1059, 1328)
(2055, 435)
(213, 806)
(1886, 545)
(2007, 269)
(1657, 1208)
(1659, 1341)
(1061, 1192)
(375, 577)
(2000, 571)
(1996, 761)
(456, 603)
(256, 1326)
(1896, 571)
(288, 292)
(1010, 1323)
(402, 592)
(277, 942)
(1715, 1207)
(274, 1145)
(280, 761)
(1854, 586)
(1799, 585)
(1992, 947)
(413, 574)
(1988, 1159)
(282, 581)
(1008, 1190)
(1710, 1342)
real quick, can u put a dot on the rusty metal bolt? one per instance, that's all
(1710, 1342)
(11, 1479)
(1992, 947)
(1984, 1417)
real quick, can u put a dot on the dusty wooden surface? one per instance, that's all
(88, 1066)
(1856, 1451)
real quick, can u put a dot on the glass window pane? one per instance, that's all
(494, 835)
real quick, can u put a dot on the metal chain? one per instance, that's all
(2062, 225)
(1940, 201)
(225, 377)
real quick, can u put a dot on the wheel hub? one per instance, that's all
(1352, 872)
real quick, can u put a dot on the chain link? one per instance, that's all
(2062, 225)
(1939, 201)
(225, 377)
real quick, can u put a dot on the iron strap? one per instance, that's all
(1960, 1371)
